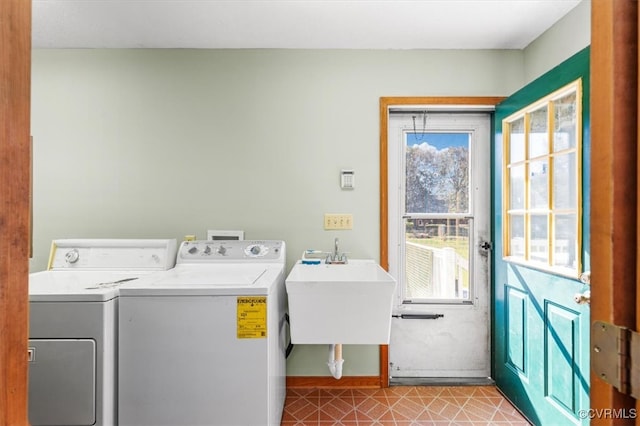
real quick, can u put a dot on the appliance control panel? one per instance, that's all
(207, 251)
(116, 254)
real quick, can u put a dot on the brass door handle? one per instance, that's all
(582, 298)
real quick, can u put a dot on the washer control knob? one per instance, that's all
(222, 250)
(72, 256)
(256, 250)
(207, 250)
(193, 250)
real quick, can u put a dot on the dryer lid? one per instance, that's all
(79, 286)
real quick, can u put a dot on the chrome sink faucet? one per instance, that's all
(336, 257)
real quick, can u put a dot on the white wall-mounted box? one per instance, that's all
(215, 234)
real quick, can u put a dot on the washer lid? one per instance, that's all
(79, 286)
(208, 279)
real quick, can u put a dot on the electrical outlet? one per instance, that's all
(338, 221)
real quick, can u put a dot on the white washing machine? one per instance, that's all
(73, 325)
(206, 343)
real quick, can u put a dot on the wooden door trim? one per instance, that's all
(15, 222)
(614, 115)
(385, 103)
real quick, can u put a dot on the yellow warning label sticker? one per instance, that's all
(252, 317)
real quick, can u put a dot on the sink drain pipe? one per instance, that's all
(335, 360)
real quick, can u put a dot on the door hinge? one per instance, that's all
(615, 356)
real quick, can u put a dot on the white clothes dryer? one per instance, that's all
(73, 325)
(205, 344)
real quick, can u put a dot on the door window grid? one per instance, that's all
(542, 176)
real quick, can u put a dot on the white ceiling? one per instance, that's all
(303, 24)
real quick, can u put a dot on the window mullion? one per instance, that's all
(551, 219)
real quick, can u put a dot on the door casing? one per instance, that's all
(385, 104)
(614, 188)
(463, 331)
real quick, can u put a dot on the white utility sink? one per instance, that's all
(340, 303)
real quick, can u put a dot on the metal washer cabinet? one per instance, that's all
(205, 344)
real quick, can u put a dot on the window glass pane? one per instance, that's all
(516, 186)
(539, 243)
(437, 173)
(539, 184)
(437, 259)
(516, 233)
(565, 181)
(564, 245)
(516, 140)
(565, 116)
(538, 133)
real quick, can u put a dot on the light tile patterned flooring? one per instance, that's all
(400, 406)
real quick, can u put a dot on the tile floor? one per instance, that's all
(400, 406)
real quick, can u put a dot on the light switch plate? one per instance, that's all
(338, 221)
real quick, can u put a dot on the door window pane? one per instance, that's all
(538, 133)
(516, 140)
(437, 259)
(564, 245)
(565, 181)
(517, 186)
(539, 242)
(565, 129)
(437, 183)
(437, 173)
(516, 232)
(539, 184)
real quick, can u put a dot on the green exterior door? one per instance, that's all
(540, 333)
